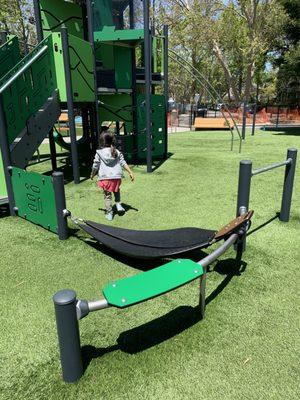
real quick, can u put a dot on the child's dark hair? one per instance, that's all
(108, 139)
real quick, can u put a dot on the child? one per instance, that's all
(108, 163)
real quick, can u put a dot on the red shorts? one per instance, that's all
(110, 185)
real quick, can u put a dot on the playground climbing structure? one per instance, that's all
(99, 60)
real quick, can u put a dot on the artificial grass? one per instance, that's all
(248, 345)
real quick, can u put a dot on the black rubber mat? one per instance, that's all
(141, 251)
(167, 239)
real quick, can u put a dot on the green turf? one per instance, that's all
(248, 345)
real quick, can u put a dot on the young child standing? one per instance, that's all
(108, 164)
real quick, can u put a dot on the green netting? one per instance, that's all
(34, 197)
(9, 55)
(57, 13)
(146, 285)
(30, 90)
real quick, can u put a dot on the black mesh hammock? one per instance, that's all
(159, 244)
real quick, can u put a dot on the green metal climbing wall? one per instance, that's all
(158, 126)
(34, 198)
(82, 73)
(30, 90)
(57, 13)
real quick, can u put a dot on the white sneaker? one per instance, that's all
(120, 208)
(109, 216)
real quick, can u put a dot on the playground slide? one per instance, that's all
(83, 144)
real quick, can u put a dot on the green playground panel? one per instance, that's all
(3, 191)
(158, 145)
(123, 67)
(9, 55)
(146, 285)
(158, 127)
(105, 53)
(82, 69)
(57, 13)
(29, 91)
(113, 109)
(130, 36)
(34, 197)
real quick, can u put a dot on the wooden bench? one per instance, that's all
(212, 123)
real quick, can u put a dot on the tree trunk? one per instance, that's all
(218, 53)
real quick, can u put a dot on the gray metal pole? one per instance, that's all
(202, 292)
(60, 202)
(68, 335)
(244, 121)
(243, 197)
(148, 76)
(38, 20)
(6, 159)
(71, 116)
(288, 186)
(131, 14)
(90, 25)
(166, 81)
(244, 185)
(254, 119)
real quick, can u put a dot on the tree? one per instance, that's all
(16, 17)
(288, 60)
(239, 34)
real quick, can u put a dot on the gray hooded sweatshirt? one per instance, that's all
(107, 166)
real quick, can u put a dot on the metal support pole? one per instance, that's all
(243, 197)
(71, 116)
(90, 25)
(52, 150)
(254, 119)
(148, 76)
(244, 121)
(288, 185)
(38, 20)
(3, 37)
(68, 335)
(131, 14)
(166, 81)
(60, 202)
(6, 159)
(202, 293)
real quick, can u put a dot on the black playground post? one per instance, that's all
(68, 335)
(148, 76)
(38, 20)
(6, 159)
(71, 115)
(244, 185)
(166, 81)
(90, 26)
(288, 185)
(60, 202)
